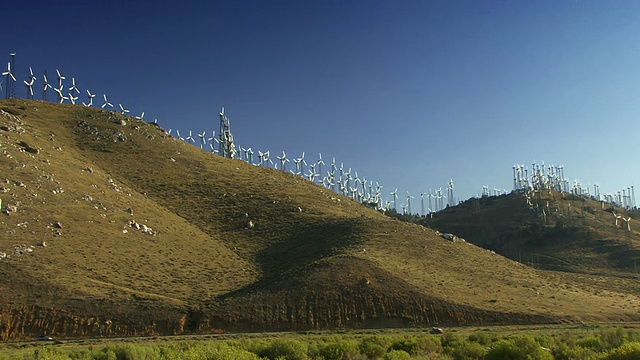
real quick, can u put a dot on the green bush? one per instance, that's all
(563, 351)
(397, 355)
(371, 350)
(613, 338)
(339, 350)
(465, 350)
(591, 342)
(517, 348)
(286, 349)
(408, 345)
(483, 338)
(219, 352)
(628, 351)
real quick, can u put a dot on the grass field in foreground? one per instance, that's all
(541, 342)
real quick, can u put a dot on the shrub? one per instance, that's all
(397, 355)
(407, 345)
(483, 338)
(372, 348)
(613, 338)
(521, 347)
(288, 349)
(628, 351)
(565, 352)
(339, 350)
(217, 352)
(465, 350)
(591, 342)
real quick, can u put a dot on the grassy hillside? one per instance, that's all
(574, 234)
(146, 234)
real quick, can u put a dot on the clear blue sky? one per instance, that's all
(408, 93)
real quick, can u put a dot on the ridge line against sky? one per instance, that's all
(408, 93)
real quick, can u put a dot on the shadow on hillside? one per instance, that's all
(285, 263)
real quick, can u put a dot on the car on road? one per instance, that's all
(44, 338)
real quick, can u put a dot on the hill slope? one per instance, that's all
(574, 234)
(146, 234)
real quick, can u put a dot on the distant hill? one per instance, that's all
(111, 226)
(556, 231)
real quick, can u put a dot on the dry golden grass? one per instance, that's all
(335, 264)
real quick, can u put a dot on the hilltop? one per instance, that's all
(113, 227)
(553, 231)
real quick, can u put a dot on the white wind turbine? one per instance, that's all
(422, 204)
(9, 74)
(300, 163)
(73, 86)
(250, 156)
(30, 83)
(45, 86)
(141, 117)
(123, 111)
(320, 163)
(190, 138)
(106, 102)
(60, 79)
(283, 161)
(617, 217)
(203, 140)
(628, 222)
(394, 195)
(90, 96)
(61, 97)
(178, 135)
(409, 197)
(72, 98)
(213, 136)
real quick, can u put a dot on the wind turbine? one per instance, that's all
(190, 138)
(9, 76)
(394, 195)
(61, 97)
(141, 117)
(422, 204)
(300, 163)
(30, 83)
(617, 217)
(628, 222)
(60, 78)
(123, 111)
(283, 161)
(106, 102)
(409, 197)
(73, 86)
(90, 96)
(178, 135)
(45, 86)
(203, 140)
(320, 162)
(72, 98)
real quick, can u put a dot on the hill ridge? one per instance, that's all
(311, 259)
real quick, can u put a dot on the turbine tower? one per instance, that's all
(226, 146)
(11, 78)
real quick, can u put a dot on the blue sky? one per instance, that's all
(408, 93)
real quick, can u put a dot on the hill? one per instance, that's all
(113, 227)
(552, 231)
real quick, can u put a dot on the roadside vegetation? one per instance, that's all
(595, 344)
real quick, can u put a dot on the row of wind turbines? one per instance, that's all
(334, 176)
(342, 180)
(337, 177)
(551, 177)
